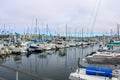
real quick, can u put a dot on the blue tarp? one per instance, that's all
(106, 72)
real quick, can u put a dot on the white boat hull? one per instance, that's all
(81, 75)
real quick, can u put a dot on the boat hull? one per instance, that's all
(103, 60)
(81, 75)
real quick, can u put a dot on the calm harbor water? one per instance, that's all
(54, 65)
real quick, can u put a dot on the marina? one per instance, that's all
(60, 63)
(39, 66)
(59, 40)
(57, 59)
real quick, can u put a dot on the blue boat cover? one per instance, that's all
(106, 72)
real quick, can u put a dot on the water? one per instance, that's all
(54, 65)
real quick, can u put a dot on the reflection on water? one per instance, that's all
(42, 55)
(17, 59)
(55, 65)
(62, 52)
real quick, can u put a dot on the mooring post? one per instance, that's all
(16, 75)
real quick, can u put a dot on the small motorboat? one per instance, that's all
(35, 48)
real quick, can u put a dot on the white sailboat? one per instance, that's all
(94, 73)
(82, 75)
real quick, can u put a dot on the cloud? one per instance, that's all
(77, 14)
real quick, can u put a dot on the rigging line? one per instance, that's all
(90, 19)
(94, 21)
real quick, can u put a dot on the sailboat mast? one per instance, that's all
(111, 33)
(66, 31)
(36, 27)
(46, 31)
(82, 34)
(75, 34)
(4, 30)
(118, 30)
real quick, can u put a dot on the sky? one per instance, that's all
(21, 15)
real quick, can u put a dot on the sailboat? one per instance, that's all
(94, 73)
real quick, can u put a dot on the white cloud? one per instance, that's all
(76, 13)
